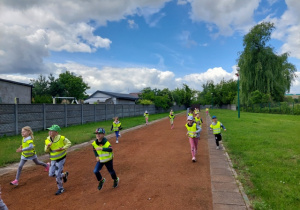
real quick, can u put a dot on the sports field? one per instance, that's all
(155, 169)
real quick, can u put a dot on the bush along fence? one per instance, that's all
(274, 108)
(41, 116)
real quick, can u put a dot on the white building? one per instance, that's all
(103, 97)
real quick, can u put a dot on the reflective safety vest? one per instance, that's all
(191, 130)
(171, 117)
(190, 114)
(146, 115)
(198, 121)
(103, 156)
(216, 128)
(116, 126)
(55, 155)
(28, 153)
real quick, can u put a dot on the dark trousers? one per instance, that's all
(218, 138)
(110, 168)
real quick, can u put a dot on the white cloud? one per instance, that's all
(226, 16)
(132, 24)
(38, 27)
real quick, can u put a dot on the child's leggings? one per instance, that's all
(110, 168)
(22, 163)
(194, 145)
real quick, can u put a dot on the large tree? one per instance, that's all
(261, 69)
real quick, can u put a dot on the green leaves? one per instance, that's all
(261, 68)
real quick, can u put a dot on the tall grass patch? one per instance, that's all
(76, 134)
(265, 152)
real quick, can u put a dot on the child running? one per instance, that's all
(146, 115)
(198, 120)
(206, 110)
(116, 126)
(104, 156)
(57, 146)
(2, 204)
(192, 130)
(216, 128)
(28, 153)
(172, 117)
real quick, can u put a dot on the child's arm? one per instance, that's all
(67, 143)
(199, 129)
(109, 149)
(223, 127)
(112, 126)
(30, 147)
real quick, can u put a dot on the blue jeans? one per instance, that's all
(117, 134)
(110, 168)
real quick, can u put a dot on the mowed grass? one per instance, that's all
(265, 150)
(76, 134)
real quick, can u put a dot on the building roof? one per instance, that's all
(115, 95)
(18, 83)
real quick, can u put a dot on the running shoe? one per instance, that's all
(65, 177)
(101, 183)
(15, 182)
(116, 182)
(60, 191)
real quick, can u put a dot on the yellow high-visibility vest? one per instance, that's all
(191, 130)
(216, 128)
(55, 155)
(116, 126)
(198, 121)
(28, 153)
(103, 156)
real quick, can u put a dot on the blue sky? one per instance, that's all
(125, 46)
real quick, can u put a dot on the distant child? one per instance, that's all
(28, 153)
(56, 145)
(146, 115)
(216, 128)
(206, 110)
(196, 111)
(172, 117)
(104, 156)
(192, 130)
(116, 126)
(198, 120)
(190, 113)
(2, 204)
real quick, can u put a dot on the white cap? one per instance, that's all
(190, 118)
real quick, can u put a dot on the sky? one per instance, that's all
(127, 45)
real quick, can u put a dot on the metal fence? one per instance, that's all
(290, 108)
(41, 116)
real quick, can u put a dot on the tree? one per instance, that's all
(260, 68)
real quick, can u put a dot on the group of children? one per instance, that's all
(56, 145)
(194, 127)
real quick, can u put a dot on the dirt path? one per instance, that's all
(155, 169)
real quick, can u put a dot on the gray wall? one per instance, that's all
(41, 116)
(10, 91)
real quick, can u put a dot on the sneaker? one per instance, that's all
(65, 177)
(117, 142)
(47, 167)
(116, 182)
(119, 135)
(217, 147)
(101, 184)
(15, 182)
(60, 191)
(194, 159)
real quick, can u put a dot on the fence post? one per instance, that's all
(44, 116)
(122, 111)
(16, 118)
(81, 114)
(94, 112)
(105, 113)
(293, 107)
(66, 115)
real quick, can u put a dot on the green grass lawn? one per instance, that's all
(265, 150)
(76, 134)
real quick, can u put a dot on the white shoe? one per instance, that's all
(218, 147)
(117, 142)
(119, 135)
(194, 159)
